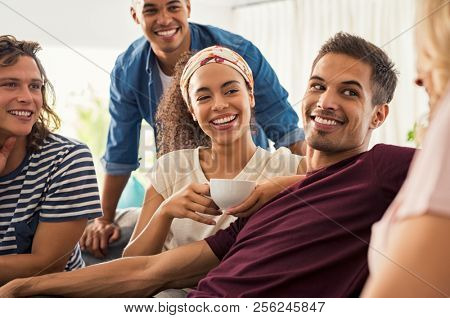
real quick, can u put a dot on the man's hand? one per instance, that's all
(10, 290)
(263, 193)
(5, 151)
(98, 235)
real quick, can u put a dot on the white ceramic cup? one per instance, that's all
(227, 193)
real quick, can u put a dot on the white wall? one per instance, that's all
(99, 23)
(89, 23)
(290, 33)
(81, 39)
(213, 12)
(84, 37)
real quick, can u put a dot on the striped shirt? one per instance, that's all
(57, 183)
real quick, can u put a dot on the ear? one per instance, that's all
(379, 115)
(188, 6)
(192, 113)
(252, 99)
(134, 15)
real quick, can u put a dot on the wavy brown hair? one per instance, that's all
(175, 127)
(11, 50)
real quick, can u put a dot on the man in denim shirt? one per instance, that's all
(137, 81)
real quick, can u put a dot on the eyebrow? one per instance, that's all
(173, 2)
(315, 77)
(201, 89)
(13, 79)
(146, 4)
(356, 83)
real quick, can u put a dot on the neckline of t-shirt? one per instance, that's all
(16, 171)
(198, 166)
(336, 165)
(161, 72)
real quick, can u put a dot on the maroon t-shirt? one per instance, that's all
(311, 240)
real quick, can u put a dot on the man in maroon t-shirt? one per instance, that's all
(311, 240)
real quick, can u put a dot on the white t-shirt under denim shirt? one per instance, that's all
(426, 189)
(165, 79)
(175, 170)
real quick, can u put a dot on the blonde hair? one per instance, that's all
(433, 41)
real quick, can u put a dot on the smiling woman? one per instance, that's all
(211, 100)
(48, 186)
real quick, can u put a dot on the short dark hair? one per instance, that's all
(11, 50)
(384, 76)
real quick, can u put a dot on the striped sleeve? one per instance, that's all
(72, 190)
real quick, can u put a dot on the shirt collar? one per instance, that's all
(195, 38)
(151, 59)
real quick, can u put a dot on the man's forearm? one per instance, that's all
(121, 278)
(127, 277)
(284, 182)
(25, 265)
(113, 187)
(151, 240)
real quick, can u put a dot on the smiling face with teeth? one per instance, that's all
(338, 115)
(164, 23)
(20, 97)
(221, 103)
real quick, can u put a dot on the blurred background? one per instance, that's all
(82, 39)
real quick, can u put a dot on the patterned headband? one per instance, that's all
(214, 54)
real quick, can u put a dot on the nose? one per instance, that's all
(164, 17)
(24, 96)
(220, 103)
(328, 100)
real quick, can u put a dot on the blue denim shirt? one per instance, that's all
(136, 89)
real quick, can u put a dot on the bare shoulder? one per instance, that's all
(416, 261)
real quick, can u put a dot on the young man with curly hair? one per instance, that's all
(48, 187)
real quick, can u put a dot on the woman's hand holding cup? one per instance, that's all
(191, 202)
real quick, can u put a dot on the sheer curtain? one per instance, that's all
(290, 33)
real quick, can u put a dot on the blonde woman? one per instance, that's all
(409, 255)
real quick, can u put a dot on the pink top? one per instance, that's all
(427, 188)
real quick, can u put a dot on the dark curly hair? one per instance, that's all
(11, 50)
(175, 127)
